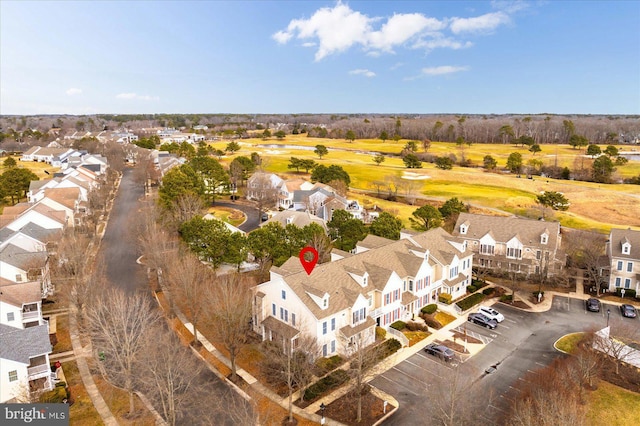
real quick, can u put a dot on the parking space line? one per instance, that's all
(422, 368)
(399, 384)
(510, 320)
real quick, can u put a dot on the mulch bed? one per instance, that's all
(517, 304)
(344, 409)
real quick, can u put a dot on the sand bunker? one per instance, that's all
(414, 176)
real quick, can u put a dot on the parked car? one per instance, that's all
(491, 313)
(441, 351)
(483, 320)
(628, 311)
(593, 305)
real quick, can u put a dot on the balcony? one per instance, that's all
(38, 371)
(30, 316)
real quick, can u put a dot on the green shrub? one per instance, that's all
(488, 291)
(389, 347)
(627, 292)
(506, 298)
(381, 333)
(429, 309)
(471, 301)
(445, 298)
(399, 325)
(319, 388)
(471, 288)
(325, 365)
(479, 283)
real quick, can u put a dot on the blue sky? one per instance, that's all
(320, 57)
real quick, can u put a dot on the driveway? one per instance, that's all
(250, 211)
(522, 343)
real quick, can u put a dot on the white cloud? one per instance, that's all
(366, 73)
(441, 42)
(484, 23)
(443, 69)
(309, 44)
(137, 97)
(510, 6)
(402, 27)
(73, 91)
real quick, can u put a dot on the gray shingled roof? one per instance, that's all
(31, 229)
(20, 344)
(616, 239)
(20, 258)
(504, 229)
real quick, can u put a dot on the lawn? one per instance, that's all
(225, 214)
(568, 342)
(613, 405)
(415, 336)
(593, 206)
(444, 318)
(82, 412)
(62, 334)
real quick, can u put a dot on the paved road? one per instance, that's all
(249, 210)
(522, 343)
(117, 255)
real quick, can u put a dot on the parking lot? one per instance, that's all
(522, 343)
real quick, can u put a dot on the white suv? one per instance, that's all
(491, 313)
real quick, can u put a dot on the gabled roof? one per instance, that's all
(618, 236)
(503, 229)
(17, 294)
(334, 278)
(373, 241)
(64, 196)
(20, 344)
(31, 230)
(299, 219)
(20, 258)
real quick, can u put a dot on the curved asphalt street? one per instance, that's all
(117, 258)
(245, 207)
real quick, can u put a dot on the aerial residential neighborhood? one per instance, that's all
(320, 213)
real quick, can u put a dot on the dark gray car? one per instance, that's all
(441, 351)
(628, 311)
(483, 320)
(593, 305)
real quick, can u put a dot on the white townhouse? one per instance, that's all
(46, 155)
(623, 251)
(341, 302)
(524, 246)
(24, 342)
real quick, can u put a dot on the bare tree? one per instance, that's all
(156, 242)
(168, 374)
(230, 314)
(614, 342)
(291, 363)
(586, 250)
(118, 323)
(454, 396)
(548, 398)
(186, 207)
(364, 357)
(69, 266)
(189, 281)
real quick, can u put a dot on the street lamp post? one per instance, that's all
(322, 407)
(608, 313)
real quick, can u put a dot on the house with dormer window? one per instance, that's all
(342, 301)
(623, 251)
(513, 244)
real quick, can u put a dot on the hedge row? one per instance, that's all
(399, 325)
(429, 309)
(476, 285)
(319, 388)
(471, 301)
(627, 292)
(327, 364)
(445, 298)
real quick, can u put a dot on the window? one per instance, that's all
(626, 248)
(619, 265)
(273, 309)
(324, 327)
(18, 278)
(293, 319)
(11, 316)
(617, 281)
(629, 266)
(324, 350)
(284, 295)
(410, 285)
(324, 302)
(544, 238)
(396, 294)
(538, 255)
(387, 298)
(333, 324)
(370, 300)
(453, 272)
(463, 229)
(282, 314)
(487, 249)
(514, 253)
(359, 315)
(333, 346)
(13, 375)
(627, 283)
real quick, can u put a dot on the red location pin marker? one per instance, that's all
(308, 265)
